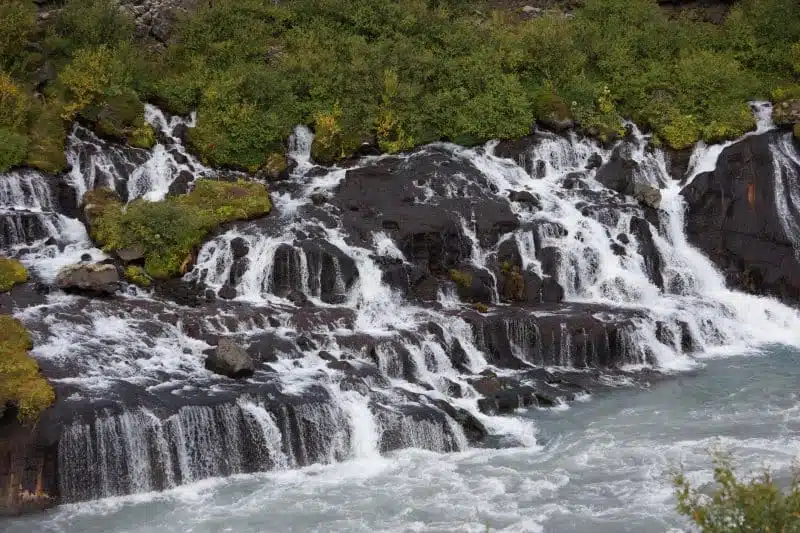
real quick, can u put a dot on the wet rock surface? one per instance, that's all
(745, 216)
(369, 301)
(99, 279)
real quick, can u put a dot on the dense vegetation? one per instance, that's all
(20, 382)
(755, 506)
(169, 231)
(396, 73)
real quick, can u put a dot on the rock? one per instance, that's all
(188, 293)
(331, 272)
(734, 217)
(99, 279)
(487, 385)
(85, 258)
(473, 284)
(595, 161)
(319, 198)
(653, 262)
(181, 184)
(239, 248)
(227, 292)
(134, 253)
(787, 112)
(508, 400)
(230, 359)
(622, 174)
(525, 197)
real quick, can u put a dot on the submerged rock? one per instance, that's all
(96, 278)
(230, 359)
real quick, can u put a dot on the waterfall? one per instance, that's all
(380, 303)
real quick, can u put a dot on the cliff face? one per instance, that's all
(28, 464)
(745, 215)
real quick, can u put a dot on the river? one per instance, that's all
(600, 466)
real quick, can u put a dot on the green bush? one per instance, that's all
(12, 272)
(170, 231)
(17, 23)
(20, 381)
(396, 74)
(757, 505)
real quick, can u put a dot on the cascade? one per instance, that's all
(360, 297)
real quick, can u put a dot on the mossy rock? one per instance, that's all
(514, 284)
(550, 109)
(12, 272)
(461, 278)
(169, 231)
(20, 381)
(797, 131)
(121, 118)
(481, 308)
(275, 165)
(138, 276)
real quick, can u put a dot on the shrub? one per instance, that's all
(20, 381)
(17, 23)
(46, 138)
(12, 272)
(88, 23)
(13, 148)
(754, 506)
(170, 230)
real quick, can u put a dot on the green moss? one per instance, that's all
(797, 131)
(461, 278)
(514, 284)
(20, 381)
(12, 272)
(170, 231)
(481, 308)
(137, 275)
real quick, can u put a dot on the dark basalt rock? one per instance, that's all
(331, 272)
(623, 174)
(732, 216)
(239, 248)
(182, 292)
(653, 262)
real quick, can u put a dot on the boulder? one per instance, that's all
(133, 253)
(94, 278)
(230, 359)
